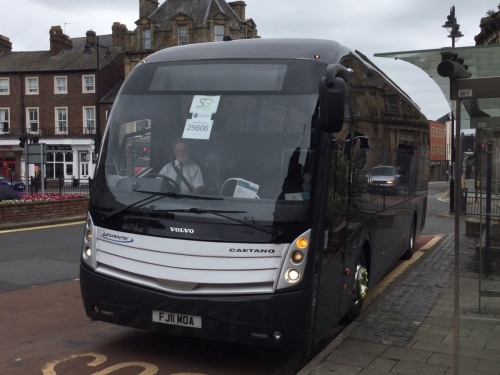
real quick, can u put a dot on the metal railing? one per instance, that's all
(60, 186)
(474, 203)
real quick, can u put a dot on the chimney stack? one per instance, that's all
(59, 41)
(91, 36)
(119, 30)
(239, 8)
(5, 44)
(146, 7)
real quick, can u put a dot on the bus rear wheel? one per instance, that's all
(360, 289)
(411, 242)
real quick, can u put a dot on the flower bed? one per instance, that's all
(36, 197)
(35, 207)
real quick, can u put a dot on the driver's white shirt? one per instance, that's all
(190, 170)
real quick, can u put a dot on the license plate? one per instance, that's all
(177, 319)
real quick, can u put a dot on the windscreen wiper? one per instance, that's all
(154, 197)
(262, 228)
(171, 194)
(106, 217)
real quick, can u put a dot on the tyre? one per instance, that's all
(411, 242)
(360, 288)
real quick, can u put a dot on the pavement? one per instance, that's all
(409, 328)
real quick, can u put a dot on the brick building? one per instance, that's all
(438, 150)
(179, 22)
(52, 96)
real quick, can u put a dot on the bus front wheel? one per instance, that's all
(360, 289)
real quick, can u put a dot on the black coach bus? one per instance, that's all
(289, 228)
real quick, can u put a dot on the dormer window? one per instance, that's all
(146, 38)
(182, 35)
(218, 33)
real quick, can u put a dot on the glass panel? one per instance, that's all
(146, 34)
(483, 61)
(219, 77)
(182, 35)
(69, 157)
(218, 33)
(59, 157)
(4, 85)
(89, 83)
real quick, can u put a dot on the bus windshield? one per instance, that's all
(247, 129)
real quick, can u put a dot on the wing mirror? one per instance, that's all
(332, 92)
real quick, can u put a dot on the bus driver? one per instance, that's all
(189, 170)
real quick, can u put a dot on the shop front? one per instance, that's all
(66, 162)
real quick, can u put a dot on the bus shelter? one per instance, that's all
(475, 104)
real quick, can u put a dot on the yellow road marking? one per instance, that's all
(42, 227)
(99, 359)
(149, 369)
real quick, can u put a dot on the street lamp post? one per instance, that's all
(453, 28)
(107, 57)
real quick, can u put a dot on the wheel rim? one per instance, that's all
(361, 282)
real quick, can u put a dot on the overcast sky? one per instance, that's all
(370, 26)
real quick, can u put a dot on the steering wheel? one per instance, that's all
(173, 186)
(229, 180)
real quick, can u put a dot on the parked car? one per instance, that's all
(17, 185)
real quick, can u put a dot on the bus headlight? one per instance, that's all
(294, 263)
(297, 257)
(292, 275)
(89, 243)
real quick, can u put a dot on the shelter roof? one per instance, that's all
(482, 62)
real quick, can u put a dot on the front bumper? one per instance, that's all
(244, 319)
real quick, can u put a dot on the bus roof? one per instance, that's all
(329, 52)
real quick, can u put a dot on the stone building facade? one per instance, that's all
(52, 97)
(490, 29)
(179, 22)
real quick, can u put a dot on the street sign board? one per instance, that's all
(36, 153)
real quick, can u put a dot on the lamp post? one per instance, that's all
(108, 58)
(453, 28)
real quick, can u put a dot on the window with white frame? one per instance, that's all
(4, 86)
(218, 33)
(60, 85)
(61, 120)
(59, 164)
(89, 120)
(31, 85)
(146, 39)
(32, 120)
(182, 35)
(4, 120)
(88, 83)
